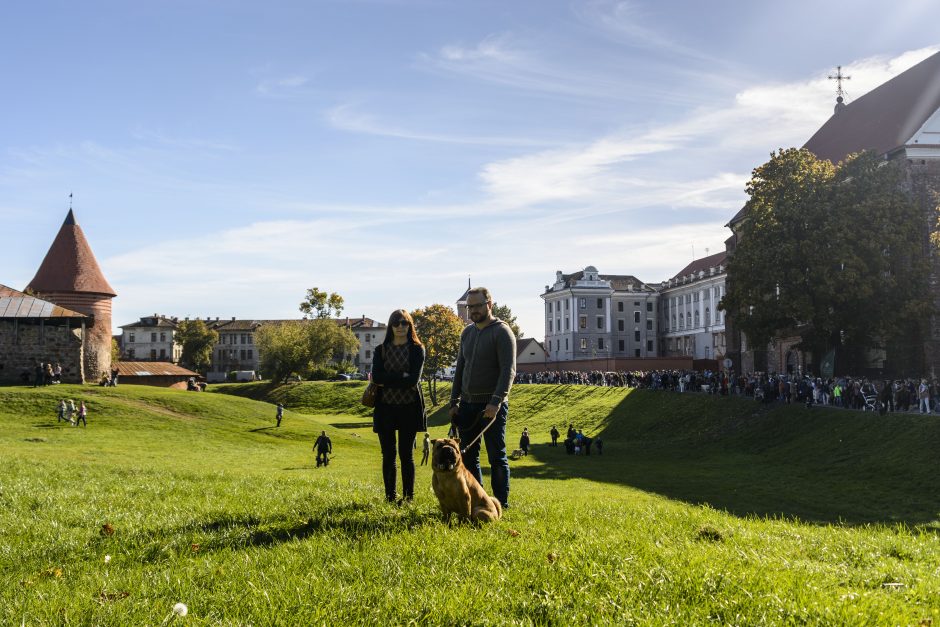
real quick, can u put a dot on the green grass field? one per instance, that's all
(701, 511)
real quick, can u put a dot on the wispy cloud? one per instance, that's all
(187, 143)
(347, 117)
(283, 86)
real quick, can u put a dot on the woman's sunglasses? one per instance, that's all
(401, 323)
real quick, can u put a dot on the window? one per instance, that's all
(582, 303)
(636, 303)
(620, 306)
(567, 324)
(131, 340)
(584, 343)
(600, 322)
(600, 303)
(162, 353)
(163, 337)
(368, 354)
(649, 346)
(556, 347)
(368, 338)
(566, 342)
(695, 297)
(600, 343)
(582, 322)
(153, 353)
(550, 326)
(636, 317)
(153, 337)
(649, 305)
(636, 336)
(708, 316)
(620, 345)
(130, 351)
(681, 321)
(649, 325)
(566, 305)
(696, 317)
(636, 352)
(250, 354)
(620, 325)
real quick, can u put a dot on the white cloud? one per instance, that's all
(281, 86)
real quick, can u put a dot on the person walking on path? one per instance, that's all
(70, 411)
(82, 412)
(426, 450)
(323, 446)
(923, 395)
(486, 366)
(524, 441)
(399, 405)
(554, 433)
(280, 414)
(61, 411)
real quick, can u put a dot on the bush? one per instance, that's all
(322, 373)
(231, 376)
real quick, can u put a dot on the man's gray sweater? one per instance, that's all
(486, 364)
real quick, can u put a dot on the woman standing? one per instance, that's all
(399, 406)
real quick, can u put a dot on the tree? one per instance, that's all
(319, 304)
(829, 253)
(504, 313)
(299, 346)
(197, 341)
(439, 329)
(115, 351)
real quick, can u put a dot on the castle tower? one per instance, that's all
(69, 276)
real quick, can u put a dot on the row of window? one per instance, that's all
(153, 337)
(233, 338)
(693, 321)
(582, 304)
(154, 355)
(600, 320)
(601, 344)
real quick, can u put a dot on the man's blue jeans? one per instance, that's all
(470, 423)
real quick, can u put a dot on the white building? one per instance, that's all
(589, 315)
(690, 321)
(151, 339)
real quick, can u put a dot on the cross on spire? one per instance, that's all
(838, 78)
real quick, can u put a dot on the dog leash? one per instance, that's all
(464, 450)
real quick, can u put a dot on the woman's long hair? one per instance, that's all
(401, 314)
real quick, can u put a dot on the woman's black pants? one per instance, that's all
(406, 442)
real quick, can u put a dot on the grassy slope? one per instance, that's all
(214, 507)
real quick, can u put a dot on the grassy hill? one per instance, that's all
(700, 510)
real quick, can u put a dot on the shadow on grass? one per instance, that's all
(262, 429)
(355, 520)
(823, 466)
(351, 425)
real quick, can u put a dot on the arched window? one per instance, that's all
(696, 317)
(708, 316)
(681, 320)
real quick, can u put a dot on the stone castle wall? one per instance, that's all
(26, 343)
(97, 358)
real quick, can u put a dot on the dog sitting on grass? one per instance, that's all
(456, 489)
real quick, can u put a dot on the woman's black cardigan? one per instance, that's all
(383, 416)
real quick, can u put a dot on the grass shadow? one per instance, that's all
(351, 425)
(823, 466)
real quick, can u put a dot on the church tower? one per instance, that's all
(69, 276)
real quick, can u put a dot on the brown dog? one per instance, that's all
(456, 489)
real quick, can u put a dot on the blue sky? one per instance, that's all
(226, 156)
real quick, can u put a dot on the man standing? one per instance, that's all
(323, 446)
(554, 433)
(486, 365)
(280, 414)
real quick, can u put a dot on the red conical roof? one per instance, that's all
(70, 266)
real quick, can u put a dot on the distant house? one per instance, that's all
(151, 339)
(530, 351)
(155, 373)
(691, 323)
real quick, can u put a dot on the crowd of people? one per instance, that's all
(854, 392)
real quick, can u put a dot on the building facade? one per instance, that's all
(589, 315)
(690, 321)
(152, 338)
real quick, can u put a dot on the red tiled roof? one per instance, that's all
(70, 266)
(16, 304)
(703, 264)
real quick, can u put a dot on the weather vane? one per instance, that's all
(838, 78)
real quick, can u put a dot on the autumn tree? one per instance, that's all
(830, 253)
(299, 346)
(319, 304)
(439, 328)
(197, 341)
(504, 313)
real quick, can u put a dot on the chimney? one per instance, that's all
(233, 318)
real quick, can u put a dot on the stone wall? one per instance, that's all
(97, 357)
(24, 343)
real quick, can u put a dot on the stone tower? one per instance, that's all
(69, 276)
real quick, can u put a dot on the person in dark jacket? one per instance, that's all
(323, 446)
(399, 406)
(524, 442)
